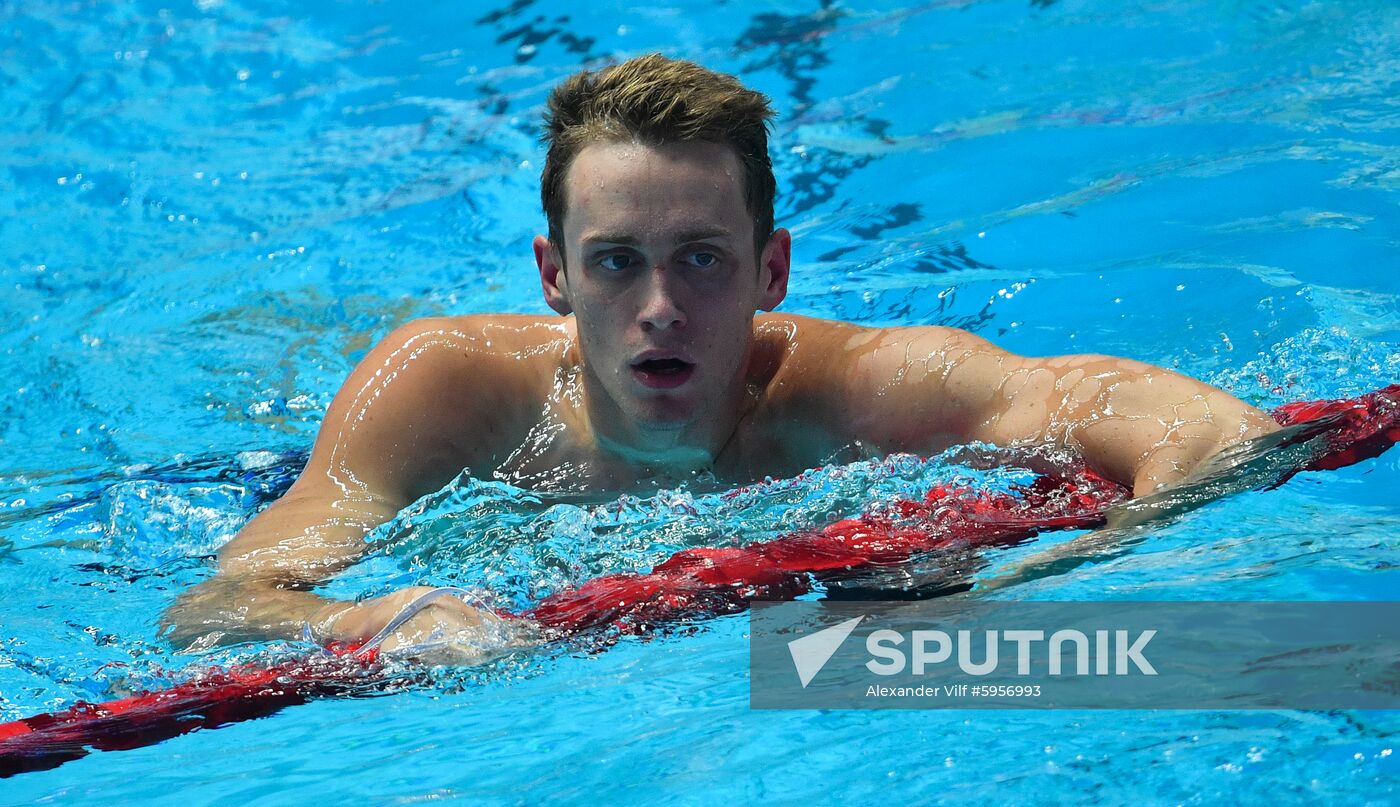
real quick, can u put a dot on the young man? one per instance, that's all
(659, 196)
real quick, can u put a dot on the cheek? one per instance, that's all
(603, 306)
(727, 332)
(598, 332)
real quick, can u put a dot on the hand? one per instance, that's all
(445, 630)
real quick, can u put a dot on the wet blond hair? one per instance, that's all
(656, 100)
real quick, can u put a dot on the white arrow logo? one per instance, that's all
(811, 653)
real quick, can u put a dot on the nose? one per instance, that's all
(659, 307)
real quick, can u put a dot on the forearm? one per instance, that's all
(263, 586)
(228, 609)
(436, 629)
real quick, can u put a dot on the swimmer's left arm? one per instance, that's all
(1138, 424)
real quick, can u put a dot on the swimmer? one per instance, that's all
(661, 250)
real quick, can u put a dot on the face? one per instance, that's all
(661, 274)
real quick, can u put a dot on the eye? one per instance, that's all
(703, 260)
(615, 262)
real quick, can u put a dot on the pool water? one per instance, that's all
(213, 209)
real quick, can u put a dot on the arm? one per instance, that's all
(394, 432)
(1135, 423)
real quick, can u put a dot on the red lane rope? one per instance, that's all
(689, 584)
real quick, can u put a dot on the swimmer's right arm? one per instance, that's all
(401, 426)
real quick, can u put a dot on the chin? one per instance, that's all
(663, 413)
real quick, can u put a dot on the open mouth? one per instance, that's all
(663, 373)
(663, 366)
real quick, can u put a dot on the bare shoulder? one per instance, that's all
(793, 356)
(475, 355)
(905, 388)
(816, 369)
(435, 396)
(510, 332)
(843, 358)
(817, 336)
(806, 341)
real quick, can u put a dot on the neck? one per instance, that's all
(666, 449)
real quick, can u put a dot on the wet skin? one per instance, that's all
(659, 371)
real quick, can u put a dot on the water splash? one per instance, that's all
(1316, 363)
(513, 548)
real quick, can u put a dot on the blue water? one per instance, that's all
(211, 210)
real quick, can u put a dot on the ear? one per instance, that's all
(552, 276)
(774, 265)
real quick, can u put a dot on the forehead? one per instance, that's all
(640, 190)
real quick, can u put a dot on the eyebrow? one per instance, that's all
(700, 234)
